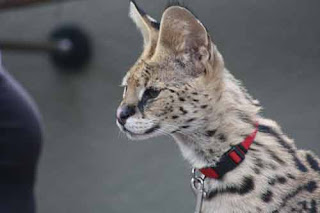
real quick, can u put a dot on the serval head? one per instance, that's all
(176, 85)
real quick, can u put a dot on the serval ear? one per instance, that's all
(148, 26)
(182, 33)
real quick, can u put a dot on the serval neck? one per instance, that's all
(204, 147)
(232, 119)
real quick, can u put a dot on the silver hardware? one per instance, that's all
(197, 185)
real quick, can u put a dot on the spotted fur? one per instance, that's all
(180, 87)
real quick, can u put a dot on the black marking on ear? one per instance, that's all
(267, 196)
(142, 12)
(299, 165)
(245, 187)
(211, 133)
(312, 162)
(155, 25)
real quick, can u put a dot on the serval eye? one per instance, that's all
(151, 93)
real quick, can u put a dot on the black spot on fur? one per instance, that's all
(272, 166)
(194, 93)
(244, 117)
(299, 165)
(313, 207)
(245, 187)
(211, 151)
(182, 99)
(174, 117)
(195, 100)
(210, 133)
(291, 176)
(281, 179)
(222, 137)
(185, 127)
(203, 106)
(303, 204)
(258, 144)
(312, 162)
(183, 110)
(190, 120)
(272, 181)
(275, 157)
(259, 163)
(181, 64)
(256, 170)
(309, 187)
(267, 196)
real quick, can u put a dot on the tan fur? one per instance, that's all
(206, 110)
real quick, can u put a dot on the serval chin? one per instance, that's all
(180, 87)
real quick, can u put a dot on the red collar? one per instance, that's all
(231, 159)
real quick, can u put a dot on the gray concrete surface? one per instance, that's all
(86, 165)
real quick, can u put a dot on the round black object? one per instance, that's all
(73, 48)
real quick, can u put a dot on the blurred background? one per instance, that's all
(86, 165)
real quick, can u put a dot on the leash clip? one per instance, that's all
(197, 186)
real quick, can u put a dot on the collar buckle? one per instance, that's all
(236, 153)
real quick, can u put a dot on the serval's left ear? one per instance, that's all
(182, 33)
(148, 26)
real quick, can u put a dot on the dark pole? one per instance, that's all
(11, 4)
(46, 46)
(5, 4)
